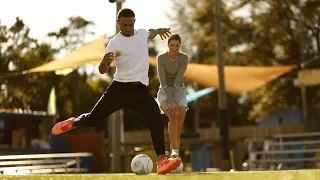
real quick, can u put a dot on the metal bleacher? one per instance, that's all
(42, 163)
(285, 151)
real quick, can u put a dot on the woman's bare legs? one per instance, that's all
(172, 124)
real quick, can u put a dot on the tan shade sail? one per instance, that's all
(309, 77)
(238, 79)
(90, 53)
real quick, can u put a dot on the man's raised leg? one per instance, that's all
(111, 101)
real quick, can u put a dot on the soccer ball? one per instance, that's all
(141, 164)
(179, 169)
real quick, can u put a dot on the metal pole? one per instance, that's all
(115, 129)
(303, 88)
(119, 6)
(196, 103)
(222, 113)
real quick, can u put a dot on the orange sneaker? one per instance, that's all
(63, 126)
(164, 165)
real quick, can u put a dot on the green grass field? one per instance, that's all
(249, 175)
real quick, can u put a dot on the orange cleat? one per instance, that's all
(164, 165)
(63, 126)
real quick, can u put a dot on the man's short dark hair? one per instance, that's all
(125, 12)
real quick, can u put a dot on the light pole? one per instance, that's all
(222, 113)
(115, 122)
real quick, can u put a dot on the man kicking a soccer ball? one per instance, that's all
(129, 50)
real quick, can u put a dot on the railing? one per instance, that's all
(42, 163)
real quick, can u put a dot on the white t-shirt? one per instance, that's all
(132, 56)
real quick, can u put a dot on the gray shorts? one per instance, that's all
(180, 97)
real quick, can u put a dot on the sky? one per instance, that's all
(44, 16)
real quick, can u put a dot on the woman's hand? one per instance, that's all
(172, 108)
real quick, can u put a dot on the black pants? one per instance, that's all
(132, 96)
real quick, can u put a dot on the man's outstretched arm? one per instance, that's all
(163, 32)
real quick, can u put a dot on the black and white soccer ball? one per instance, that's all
(141, 164)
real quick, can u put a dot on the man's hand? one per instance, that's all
(164, 33)
(106, 61)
